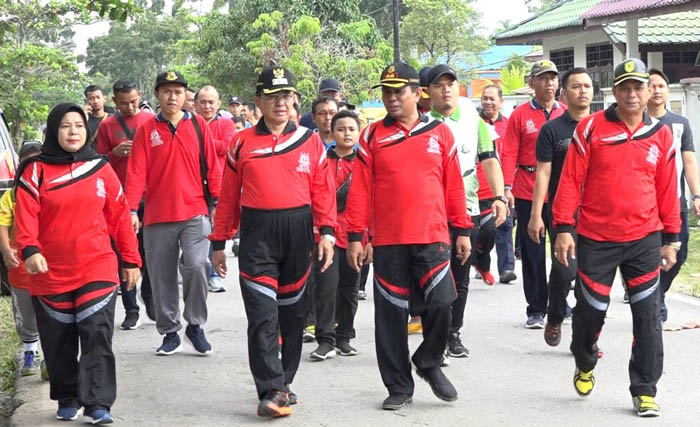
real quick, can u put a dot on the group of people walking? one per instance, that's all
(422, 195)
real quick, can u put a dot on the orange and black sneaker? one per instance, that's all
(275, 404)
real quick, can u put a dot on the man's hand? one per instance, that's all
(511, 199)
(355, 255)
(325, 250)
(535, 229)
(696, 205)
(36, 264)
(668, 257)
(10, 258)
(564, 247)
(123, 149)
(135, 222)
(464, 247)
(368, 255)
(213, 218)
(131, 276)
(219, 261)
(500, 210)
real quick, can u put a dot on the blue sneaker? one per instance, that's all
(195, 335)
(31, 363)
(67, 413)
(98, 415)
(171, 345)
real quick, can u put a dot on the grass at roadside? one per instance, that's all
(9, 344)
(688, 280)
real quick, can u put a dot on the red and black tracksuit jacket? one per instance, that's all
(269, 172)
(410, 180)
(68, 213)
(623, 183)
(341, 168)
(519, 146)
(165, 163)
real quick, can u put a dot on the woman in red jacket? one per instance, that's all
(69, 204)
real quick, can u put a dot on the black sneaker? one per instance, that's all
(455, 348)
(345, 348)
(441, 386)
(293, 399)
(131, 321)
(507, 277)
(195, 335)
(396, 401)
(275, 404)
(324, 351)
(171, 345)
(552, 334)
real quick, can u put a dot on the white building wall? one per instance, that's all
(578, 41)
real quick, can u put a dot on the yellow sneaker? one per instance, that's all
(646, 406)
(584, 382)
(415, 327)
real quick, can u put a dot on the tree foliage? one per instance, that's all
(512, 78)
(534, 6)
(441, 31)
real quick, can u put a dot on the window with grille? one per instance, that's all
(564, 59)
(599, 62)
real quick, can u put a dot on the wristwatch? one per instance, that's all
(329, 238)
(675, 245)
(502, 198)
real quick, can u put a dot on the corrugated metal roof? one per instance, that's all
(675, 28)
(607, 8)
(563, 15)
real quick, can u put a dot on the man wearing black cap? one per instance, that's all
(329, 88)
(619, 177)
(173, 161)
(686, 166)
(474, 146)
(235, 106)
(519, 166)
(424, 103)
(407, 178)
(276, 186)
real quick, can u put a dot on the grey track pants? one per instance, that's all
(23, 310)
(162, 243)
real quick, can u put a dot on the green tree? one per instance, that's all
(441, 31)
(535, 6)
(512, 78)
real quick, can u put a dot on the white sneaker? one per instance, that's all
(216, 284)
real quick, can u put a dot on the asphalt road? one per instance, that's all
(512, 378)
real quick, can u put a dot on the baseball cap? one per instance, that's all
(440, 70)
(234, 100)
(170, 76)
(328, 85)
(423, 77)
(398, 75)
(275, 79)
(543, 66)
(630, 69)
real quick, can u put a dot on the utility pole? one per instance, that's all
(397, 54)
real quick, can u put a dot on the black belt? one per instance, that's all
(531, 169)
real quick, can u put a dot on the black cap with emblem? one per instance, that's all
(275, 79)
(631, 69)
(170, 76)
(398, 75)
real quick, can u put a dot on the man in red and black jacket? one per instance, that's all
(407, 176)
(620, 175)
(173, 161)
(519, 167)
(276, 186)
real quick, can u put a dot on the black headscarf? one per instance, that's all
(51, 151)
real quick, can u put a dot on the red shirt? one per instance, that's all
(341, 168)
(265, 171)
(500, 125)
(622, 183)
(222, 130)
(519, 146)
(68, 213)
(410, 180)
(164, 162)
(111, 135)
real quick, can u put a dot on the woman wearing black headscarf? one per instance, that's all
(69, 204)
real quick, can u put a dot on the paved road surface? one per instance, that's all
(512, 378)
